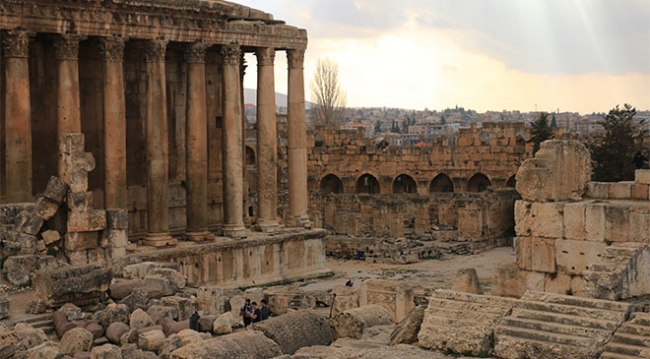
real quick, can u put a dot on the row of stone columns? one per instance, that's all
(18, 132)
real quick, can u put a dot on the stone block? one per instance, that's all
(620, 190)
(97, 256)
(574, 220)
(120, 289)
(220, 325)
(510, 281)
(251, 342)
(80, 285)
(160, 312)
(543, 255)
(524, 253)
(114, 313)
(46, 208)
(114, 238)
(575, 257)
(79, 182)
(466, 281)
(78, 257)
(171, 326)
(642, 176)
(346, 298)
(56, 190)
(578, 286)
(598, 190)
(539, 219)
(87, 221)
(115, 330)
(151, 340)
(184, 306)
(50, 236)
(117, 219)
(295, 330)
(617, 221)
(407, 330)
(352, 323)
(18, 269)
(640, 191)
(558, 283)
(76, 241)
(211, 299)
(595, 221)
(140, 319)
(5, 307)
(639, 230)
(560, 171)
(106, 351)
(139, 298)
(75, 341)
(29, 222)
(395, 296)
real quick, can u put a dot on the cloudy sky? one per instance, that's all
(572, 55)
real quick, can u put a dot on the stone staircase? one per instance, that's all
(553, 326)
(620, 272)
(631, 340)
(462, 323)
(38, 321)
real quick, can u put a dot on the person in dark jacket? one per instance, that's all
(639, 160)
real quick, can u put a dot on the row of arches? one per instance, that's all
(368, 184)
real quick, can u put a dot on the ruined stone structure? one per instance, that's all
(135, 110)
(577, 237)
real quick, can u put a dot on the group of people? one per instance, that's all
(253, 314)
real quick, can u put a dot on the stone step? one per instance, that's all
(516, 322)
(635, 329)
(511, 348)
(464, 306)
(545, 337)
(564, 309)
(625, 349)
(609, 355)
(451, 295)
(631, 339)
(581, 302)
(565, 319)
(641, 319)
(462, 315)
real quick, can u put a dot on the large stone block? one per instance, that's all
(640, 191)
(558, 283)
(598, 190)
(639, 230)
(467, 281)
(620, 190)
(117, 219)
(46, 208)
(510, 281)
(352, 323)
(574, 220)
(50, 236)
(29, 222)
(87, 221)
(56, 190)
(80, 285)
(642, 176)
(184, 306)
(18, 269)
(575, 257)
(595, 221)
(212, 299)
(244, 344)
(617, 220)
(559, 172)
(539, 219)
(76, 241)
(295, 330)
(345, 298)
(524, 252)
(543, 255)
(395, 296)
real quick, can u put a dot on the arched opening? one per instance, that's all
(512, 182)
(367, 184)
(478, 183)
(404, 184)
(250, 156)
(331, 184)
(441, 184)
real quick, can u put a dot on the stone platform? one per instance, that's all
(260, 259)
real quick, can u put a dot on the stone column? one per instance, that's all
(157, 147)
(233, 161)
(196, 175)
(242, 74)
(18, 118)
(267, 150)
(67, 91)
(297, 141)
(115, 193)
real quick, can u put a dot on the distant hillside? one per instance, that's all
(250, 96)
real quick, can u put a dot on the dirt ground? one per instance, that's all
(433, 273)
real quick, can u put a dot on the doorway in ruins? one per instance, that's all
(367, 184)
(441, 184)
(331, 184)
(404, 184)
(478, 183)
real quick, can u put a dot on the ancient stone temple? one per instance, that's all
(156, 89)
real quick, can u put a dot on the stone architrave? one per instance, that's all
(233, 160)
(197, 145)
(115, 194)
(267, 152)
(67, 89)
(18, 118)
(157, 147)
(559, 172)
(395, 296)
(297, 141)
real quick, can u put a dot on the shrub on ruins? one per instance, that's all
(540, 131)
(621, 137)
(328, 98)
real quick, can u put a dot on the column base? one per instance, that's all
(199, 236)
(270, 227)
(235, 231)
(301, 221)
(159, 240)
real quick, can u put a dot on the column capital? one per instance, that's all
(112, 48)
(265, 56)
(155, 50)
(231, 54)
(195, 52)
(296, 58)
(67, 46)
(16, 44)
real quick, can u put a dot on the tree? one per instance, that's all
(612, 155)
(443, 120)
(377, 127)
(326, 94)
(553, 121)
(540, 132)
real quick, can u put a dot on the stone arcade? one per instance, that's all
(156, 90)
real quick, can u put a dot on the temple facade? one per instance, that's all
(157, 90)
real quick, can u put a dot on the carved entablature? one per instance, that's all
(195, 53)
(155, 50)
(231, 54)
(296, 59)
(67, 47)
(112, 48)
(265, 56)
(15, 44)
